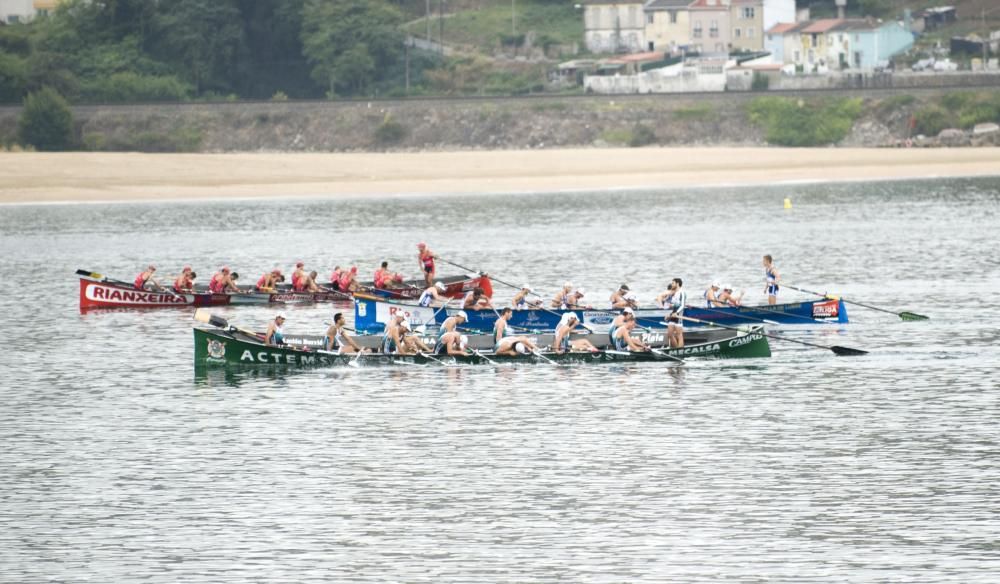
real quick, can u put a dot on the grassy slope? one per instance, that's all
(483, 25)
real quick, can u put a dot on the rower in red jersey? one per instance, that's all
(146, 281)
(185, 282)
(335, 278)
(222, 282)
(299, 276)
(348, 280)
(269, 281)
(426, 259)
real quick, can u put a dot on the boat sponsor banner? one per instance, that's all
(417, 315)
(826, 309)
(114, 295)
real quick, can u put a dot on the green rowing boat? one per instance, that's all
(235, 347)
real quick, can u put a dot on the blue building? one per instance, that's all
(867, 44)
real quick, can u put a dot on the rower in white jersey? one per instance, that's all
(431, 294)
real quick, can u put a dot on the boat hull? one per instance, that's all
(371, 314)
(220, 347)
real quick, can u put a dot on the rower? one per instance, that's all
(453, 322)
(233, 287)
(348, 280)
(275, 336)
(269, 281)
(562, 295)
(771, 280)
(619, 321)
(410, 343)
(618, 298)
(562, 343)
(431, 294)
(728, 298)
(309, 282)
(425, 257)
(382, 276)
(146, 281)
(505, 342)
(392, 338)
(623, 339)
(573, 300)
(185, 282)
(711, 295)
(335, 278)
(452, 343)
(520, 300)
(337, 338)
(675, 322)
(476, 299)
(663, 300)
(221, 281)
(299, 276)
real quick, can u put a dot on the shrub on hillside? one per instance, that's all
(46, 121)
(642, 136)
(932, 119)
(789, 122)
(390, 131)
(132, 87)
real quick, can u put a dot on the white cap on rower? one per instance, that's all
(628, 311)
(405, 324)
(463, 314)
(440, 286)
(630, 296)
(279, 315)
(463, 341)
(568, 317)
(580, 291)
(527, 287)
(521, 348)
(567, 284)
(716, 284)
(727, 287)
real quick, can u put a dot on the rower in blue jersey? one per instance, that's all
(624, 341)
(392, 338)
(771, 280)
(712, 294)
(452, 323)
(562, 296)
(431, 294)
(274, 335)
(619, 321)
(561, 343)
(520, 300)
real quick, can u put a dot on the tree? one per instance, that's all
(204, 38)
(46, 121)
(350, 42)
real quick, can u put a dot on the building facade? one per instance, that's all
(668, 25)
(837, 44)
(747, 20)
(14, 11)
(710, 29)
(612, 26)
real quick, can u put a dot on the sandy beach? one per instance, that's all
(89, 177)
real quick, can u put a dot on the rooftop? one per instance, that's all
(824, 25)
(654, 5)
(783, 27)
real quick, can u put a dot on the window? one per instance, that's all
(748, 13)
(649, 18)
(798, 57)
(749, 32)
(713, 30)
(697, 29)
(13, 18)
(736, 33)
(673, 17)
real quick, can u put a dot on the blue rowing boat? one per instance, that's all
(371, 314)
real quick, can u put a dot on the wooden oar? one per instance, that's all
(103, 278)
(203, 315)
(842, 351)
(481, 356)
(544, 358)
(903, 315)
(661, 353)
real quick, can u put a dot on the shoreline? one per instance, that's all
(76, 177)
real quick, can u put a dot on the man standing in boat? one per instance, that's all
(425, 257)
(675, 322)
(771, 280)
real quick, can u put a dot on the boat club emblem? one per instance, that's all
(216, 349)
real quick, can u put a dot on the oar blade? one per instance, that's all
(90, 274)
(912, 316)
(847, 351)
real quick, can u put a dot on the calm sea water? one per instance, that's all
(120, 465)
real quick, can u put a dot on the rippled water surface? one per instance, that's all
(120, 465)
